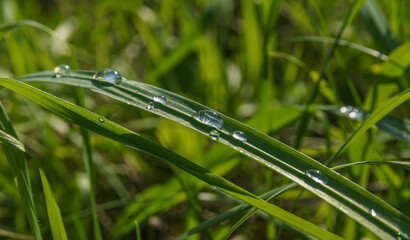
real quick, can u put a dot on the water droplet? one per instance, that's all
(373, 212)
(209, 118)
(240, 136)
(150, 105)
(160, 99)
(402, 236)
(346, 109)
(101, 119)
(351, 112)
(214, 134)
(317, 176)
(62, 70)
(108, 75)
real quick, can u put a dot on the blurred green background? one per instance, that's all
(251, 60)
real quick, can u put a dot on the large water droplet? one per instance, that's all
(62, 70)
(317, 176)
(209, 118)
(214, 134)
(150, 105)
(402, 236)
(101, 119)
(160, 99)
(373, 212)
(108, 75)
(240, 136)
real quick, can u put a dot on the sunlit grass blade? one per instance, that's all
(93, 122)
(18, 162)
(54, 216)
(337, 190)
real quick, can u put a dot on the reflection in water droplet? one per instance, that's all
(161, 99)
(373, 212)
(317, 176)
(150, 105)
(351, 112)
(101, 119)
(62, 70)
(402, 236)
(209, 118)
(108, 75)
(214, 134)
(240, 136)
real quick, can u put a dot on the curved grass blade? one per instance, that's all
(53, 211)
(93, 122)
(338, 191)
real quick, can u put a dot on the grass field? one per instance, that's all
(204, 119)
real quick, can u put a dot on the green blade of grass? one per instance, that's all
(18, 162)
(338, 191)
(93, 122)
(54, 216)
(344, 43)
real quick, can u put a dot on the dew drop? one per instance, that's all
(317, 176)
(62, 70)
(214, 134)
(240, 136)
(209, 118)
(150, 105)
(402, 236)
(108, 75)
(161, 99)
(373, 212)
(101, 119)
(346, 109)
(351, 112)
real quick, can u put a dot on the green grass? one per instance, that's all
(287, 71)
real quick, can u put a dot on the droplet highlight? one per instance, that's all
(210, 118)
(150, 105)
(373, 212)
(214, 134)
(160, 99)
(351, 112)
(62, 70)
(108, 75)
(317, 176)
(402, 236)
(101, 119)
(240, 136)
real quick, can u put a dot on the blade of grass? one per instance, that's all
(115, 132)
(338, 191)
(54, 216)
(19, 166)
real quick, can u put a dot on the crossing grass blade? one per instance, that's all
(54, 216)
(339, 191)
(100, 125)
